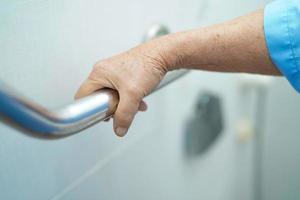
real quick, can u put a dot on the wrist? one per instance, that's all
(180, 50)
(174, 50)
(186, 49)
(168, 51)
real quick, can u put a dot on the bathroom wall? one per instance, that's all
(280, 167)
(47, 50)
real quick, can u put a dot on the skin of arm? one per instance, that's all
(234, 46)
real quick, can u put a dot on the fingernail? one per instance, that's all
(121, 131)
(143, 107)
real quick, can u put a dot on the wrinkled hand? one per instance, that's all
(134, 74)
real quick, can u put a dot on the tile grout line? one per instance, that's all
(99, 165)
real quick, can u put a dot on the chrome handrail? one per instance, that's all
(39, 122)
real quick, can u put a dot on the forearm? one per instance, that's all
(235, 46)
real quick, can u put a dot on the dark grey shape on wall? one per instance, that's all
(204, 126)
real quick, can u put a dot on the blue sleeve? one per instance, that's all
(282, 31)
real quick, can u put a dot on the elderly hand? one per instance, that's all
(134, 74)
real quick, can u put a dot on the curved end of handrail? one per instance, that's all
(36, 121)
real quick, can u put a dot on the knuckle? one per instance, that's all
(99, 71)
(100, 65)
(97, 66)
(95, 71)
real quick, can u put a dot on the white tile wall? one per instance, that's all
(280, 174)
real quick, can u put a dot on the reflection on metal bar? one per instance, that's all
(75, 117)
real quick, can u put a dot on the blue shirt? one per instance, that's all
(282, 31)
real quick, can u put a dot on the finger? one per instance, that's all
(143, 106)
(88, 87)
(126, 110)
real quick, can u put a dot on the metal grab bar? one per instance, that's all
(37, 121)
